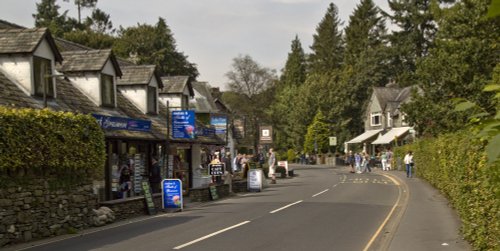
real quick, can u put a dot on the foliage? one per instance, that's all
(48, 16)
(83, 4)
(146, 44)
(291, 155)
(50, 141)
(317, 137)
(456, 164)
(459, 66)
(294, 72)
(90, 38)
(327, 48)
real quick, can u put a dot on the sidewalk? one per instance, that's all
(428, 223)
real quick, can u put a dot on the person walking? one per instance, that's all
(383, 160)
(350, 161)
(272, 168)
(358, 159)
(409, 164)
(366, 163)
(155, 175)
(389, 159)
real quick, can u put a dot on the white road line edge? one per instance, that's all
(324, 191)
(211, 235)
(289, 205)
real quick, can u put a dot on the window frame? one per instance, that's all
(49, 83)
(373, 115)
(152, 100)
(104, 101)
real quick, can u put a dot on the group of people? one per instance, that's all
(362, 162)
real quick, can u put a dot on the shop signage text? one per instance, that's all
(216, 169)
(183, 124)
(120, 123)
(220, 124)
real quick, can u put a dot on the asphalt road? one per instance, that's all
(320, 209)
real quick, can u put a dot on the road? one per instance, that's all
(320, 209)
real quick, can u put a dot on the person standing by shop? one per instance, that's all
(155, 175)
(409, 163)
(272, 168)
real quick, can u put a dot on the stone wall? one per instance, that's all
(34, 211)
(203, 194)
(132, 207)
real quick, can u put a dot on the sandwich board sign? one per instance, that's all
(172, 194)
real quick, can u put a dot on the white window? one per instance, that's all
(376, 118)
(389, 119)
(107, 91)
(42, 71)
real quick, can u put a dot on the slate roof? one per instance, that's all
(139, 75)
(8, 25)
(21, 41)
(87, 60)
(176, 84)
(203, 101)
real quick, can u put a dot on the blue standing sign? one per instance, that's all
(172, 194)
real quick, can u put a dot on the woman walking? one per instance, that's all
(409, 163)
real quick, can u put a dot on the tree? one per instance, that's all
(99, 22)
(294, 72)
(146, 44)
(48, 16)
(459, 66)
(255, 86)
(327, 47)
(317, 137)
(83, 4)
(413, 39)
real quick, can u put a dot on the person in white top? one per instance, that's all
(409, 163)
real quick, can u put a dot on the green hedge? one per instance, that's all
(456, 165)
(52, 142)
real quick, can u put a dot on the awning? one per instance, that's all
(388, 137)
(364, 136)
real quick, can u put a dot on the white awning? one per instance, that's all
(364, 136)
(388, 137)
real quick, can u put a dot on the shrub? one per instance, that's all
(456, 164)
(291, 156)
(50, 142)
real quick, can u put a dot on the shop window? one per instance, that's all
(376, 118)
(42, 71)
(107, 90)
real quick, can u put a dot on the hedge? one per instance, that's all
(51, 142)
(456, 165)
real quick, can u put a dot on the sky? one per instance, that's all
(213, 32)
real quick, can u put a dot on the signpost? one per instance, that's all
(333, 141)
(150, 204)
(172, 194)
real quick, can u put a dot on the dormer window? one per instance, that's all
(376, 119)
(107, 91)
(42, 71)
(152, 99)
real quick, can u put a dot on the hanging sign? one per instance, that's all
(183, 124)
(120, 123)
(172, 193)
(220, 124)
(266, 134)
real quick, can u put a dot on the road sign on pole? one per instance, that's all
(333, 141)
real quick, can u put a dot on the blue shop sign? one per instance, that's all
(183, 124)
(172, 193)
(206, 132)
(220, 124)
(120, 123)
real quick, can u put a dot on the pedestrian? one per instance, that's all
(366, 163)
(409, 164)
(358, 159)
(383, 160)
(155, 175)
(389, 159)
(350, 161)
(272, 168)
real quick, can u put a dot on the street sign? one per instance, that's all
(172, 193)
(266, 135)
(333, 141)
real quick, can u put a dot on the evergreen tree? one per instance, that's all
(317, 137)
(327, 47)
(294, 72)
(48, 16)
(146, 44)
(83, 4)
(413, 39)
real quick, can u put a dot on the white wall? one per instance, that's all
(137, 95)
(173, 100)
(89, 84)
(19, 69)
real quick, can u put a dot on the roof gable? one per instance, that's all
(20, 41)
(176, 84)
(139, 75)
(88, 60)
